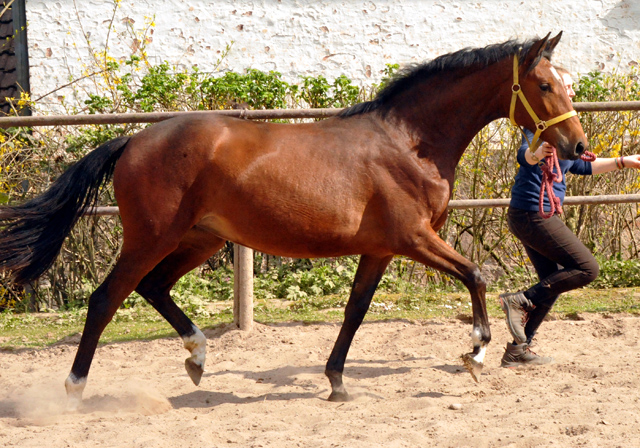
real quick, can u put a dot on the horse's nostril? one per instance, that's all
(580, 148)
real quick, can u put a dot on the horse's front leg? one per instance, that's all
(368, 275)
(429, 249)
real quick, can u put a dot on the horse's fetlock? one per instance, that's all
(196, 343)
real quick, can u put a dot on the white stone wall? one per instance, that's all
(331, 37)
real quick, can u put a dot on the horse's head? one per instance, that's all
(550, 113)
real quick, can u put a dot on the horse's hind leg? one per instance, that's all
(368, 275)
(195, 249)
(103, 304)
(430, 250)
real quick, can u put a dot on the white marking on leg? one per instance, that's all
(476, 337)
(74, 386)
(480, 356)
(197, 345)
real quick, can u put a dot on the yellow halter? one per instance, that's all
(541, 125)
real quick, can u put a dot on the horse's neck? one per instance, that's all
(445, 117)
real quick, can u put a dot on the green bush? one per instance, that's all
(617, 273)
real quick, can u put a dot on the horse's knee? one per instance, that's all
(478, 279)
(474, 280)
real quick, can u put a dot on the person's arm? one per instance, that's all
(600, 166)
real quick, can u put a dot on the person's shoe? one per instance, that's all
(521, 355)
(516, 306)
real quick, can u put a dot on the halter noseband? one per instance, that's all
(541, 125)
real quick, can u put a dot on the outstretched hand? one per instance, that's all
(632, 161)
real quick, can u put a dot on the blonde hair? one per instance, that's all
(563, 71)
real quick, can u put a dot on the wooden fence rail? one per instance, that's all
(458, 204)
(153, 117)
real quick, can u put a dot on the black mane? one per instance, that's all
(461, 59)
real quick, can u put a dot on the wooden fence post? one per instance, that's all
(243, 287)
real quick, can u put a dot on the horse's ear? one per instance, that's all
(551, 45)
(534, 54)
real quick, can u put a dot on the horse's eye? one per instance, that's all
(545, 87)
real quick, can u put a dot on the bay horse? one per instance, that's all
(373, 181)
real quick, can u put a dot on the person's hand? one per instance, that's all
(632, 161)
(544, 150)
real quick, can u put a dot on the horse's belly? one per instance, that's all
(287, 239)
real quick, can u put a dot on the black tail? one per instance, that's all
(31, 234)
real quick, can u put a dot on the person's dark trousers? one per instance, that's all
(561, 260)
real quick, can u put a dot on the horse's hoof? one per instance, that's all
(73, 404)
(340, 397)
(74, 387)
(474, 367)
(194, 370)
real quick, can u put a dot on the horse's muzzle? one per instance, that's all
(571, 151)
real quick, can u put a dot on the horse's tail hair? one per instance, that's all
(31, 234)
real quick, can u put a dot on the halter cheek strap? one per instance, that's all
(541, 125)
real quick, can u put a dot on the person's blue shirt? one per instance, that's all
(525, 193)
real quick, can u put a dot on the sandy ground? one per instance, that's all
(267, 389)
